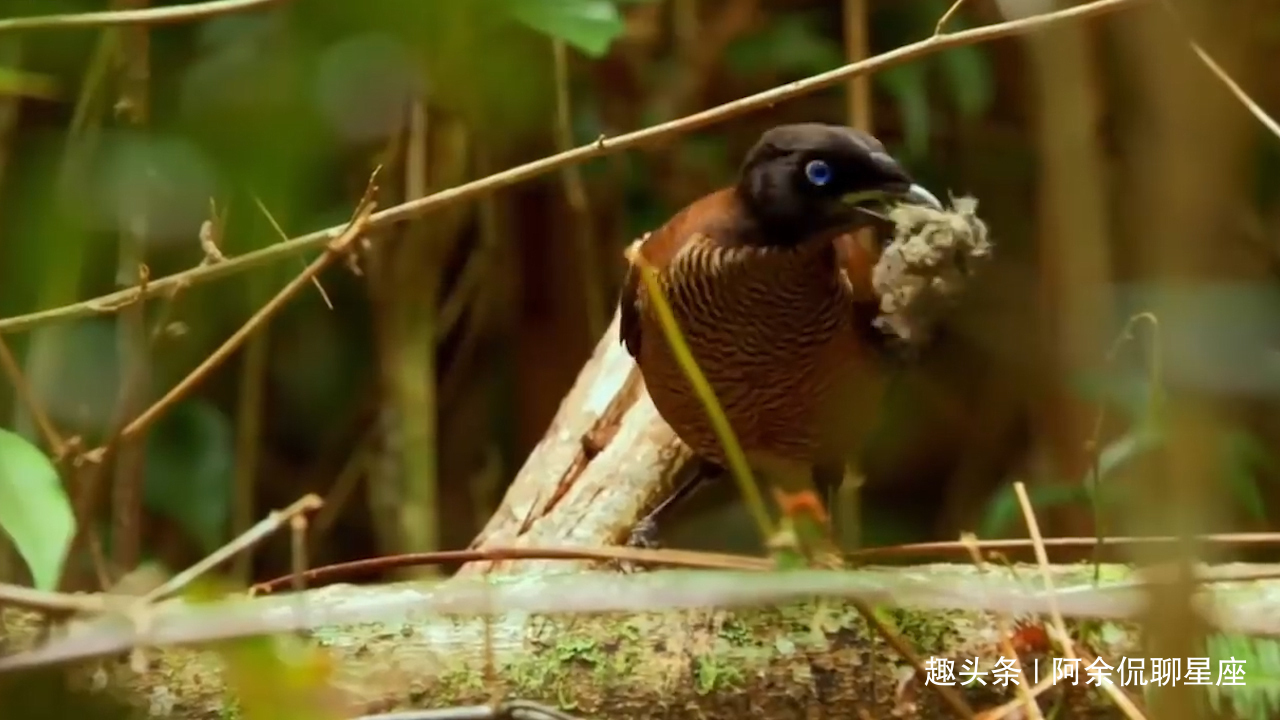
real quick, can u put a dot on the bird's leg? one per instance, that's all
(804, 534)
(841, 488)
(694, 476)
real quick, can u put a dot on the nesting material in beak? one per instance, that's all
(935, 253)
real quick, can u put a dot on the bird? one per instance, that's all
(771, 290)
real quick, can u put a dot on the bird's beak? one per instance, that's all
(918, 195)
(913, 194)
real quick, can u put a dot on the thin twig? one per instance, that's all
(1267, 121)
(949, 696)
(612, 554)
(86, 470)
(600, 147)
(1002, 627)
(466, 288)
(133, 344)
(285, 238)
(49, 603)
(846, 513)
(265, 527)
(298, 546)
(856, 44)
(248, 436)
(1093, 446)
(143, 16)
(946, 17)
(510, 710)
(953, 547)
(575, 192)
(345, 484)
(14, 372)
(336, 248)
(691, 559)
(1059, 626)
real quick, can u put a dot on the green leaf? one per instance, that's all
(190, 471)
(1259, 697)
(1003, 509)
(907, 84)
(1242, 454)
(1128, 393)
(969, 80)
(34, 509)
(791, 45)
(1127, 447)
(23, 84)
(589, 25)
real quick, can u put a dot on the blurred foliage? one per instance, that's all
(192, 442)
(292, 106)
(1258, 697)
(797, 45)
(1243, 459)
(279, 677)
(589, 25)
(54, 693)
(963, 73)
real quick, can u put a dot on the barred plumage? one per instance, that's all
(770, 294)
(772, 329)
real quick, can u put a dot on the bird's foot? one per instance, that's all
(784, 548)
(644, 535)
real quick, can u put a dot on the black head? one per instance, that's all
(811, 178)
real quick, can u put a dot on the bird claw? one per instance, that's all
(644, 535)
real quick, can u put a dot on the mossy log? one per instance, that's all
(811, 659)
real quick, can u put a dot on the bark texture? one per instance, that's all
(606, 460)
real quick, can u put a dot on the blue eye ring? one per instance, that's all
(818, 172)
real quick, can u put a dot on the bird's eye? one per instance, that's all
(818, 172)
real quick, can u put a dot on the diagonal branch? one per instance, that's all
(139, 16)
(602, 146)
(338, 247)
(9, 364)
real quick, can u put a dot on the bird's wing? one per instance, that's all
(715, 217)
(853, 404)
(629, 309)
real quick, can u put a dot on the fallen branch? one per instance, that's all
(606, 460)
